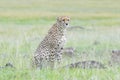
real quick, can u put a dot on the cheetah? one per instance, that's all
(50, 49)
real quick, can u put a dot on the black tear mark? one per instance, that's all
(55, 48)
(61, 48)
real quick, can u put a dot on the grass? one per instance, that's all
(73, 74)
(24, 24)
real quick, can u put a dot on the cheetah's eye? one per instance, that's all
(63, 20)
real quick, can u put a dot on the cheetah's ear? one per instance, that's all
(58, 19)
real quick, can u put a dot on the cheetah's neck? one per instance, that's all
(57, 29)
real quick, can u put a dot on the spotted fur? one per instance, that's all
(50, 49)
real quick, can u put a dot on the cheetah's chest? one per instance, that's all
(63, 39)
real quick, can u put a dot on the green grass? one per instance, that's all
(23, 24)
(72, 74)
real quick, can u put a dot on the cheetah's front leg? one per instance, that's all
(52, 59)
(59, 55)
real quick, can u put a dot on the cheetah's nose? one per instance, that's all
(66, 23)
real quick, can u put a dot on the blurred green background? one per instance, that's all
(82, 12)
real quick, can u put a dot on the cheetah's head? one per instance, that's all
(63, 21)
